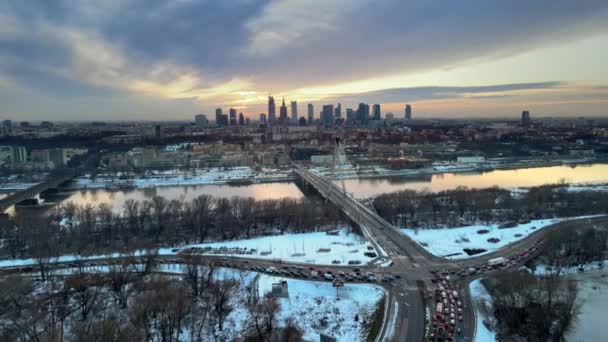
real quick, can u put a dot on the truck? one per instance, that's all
(496, 261)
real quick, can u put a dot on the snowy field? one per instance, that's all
(311, 248)
(315, 308)
(451, 242)
(481, 298)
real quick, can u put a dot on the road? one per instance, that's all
(412, 265)
(415, 264)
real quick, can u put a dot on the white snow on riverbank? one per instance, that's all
(481, 298)
(176, 178)
(315, 308)
(451, 242)
(311, 248)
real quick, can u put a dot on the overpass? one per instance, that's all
(33, 191)
(374, 227)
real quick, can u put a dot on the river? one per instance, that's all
(359, 187)
(362, 188)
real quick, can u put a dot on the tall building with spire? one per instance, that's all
(283, 114)
(272, 111)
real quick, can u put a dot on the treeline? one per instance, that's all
(532, 308)
(542, 306)
(575, 246)
(126, 304)
(463, 206)
(87, 229)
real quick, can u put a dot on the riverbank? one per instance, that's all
(245, 175)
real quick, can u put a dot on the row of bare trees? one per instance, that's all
(85, 229)
(463, 206)
(575, 245)
(532, 308)
(123, 305)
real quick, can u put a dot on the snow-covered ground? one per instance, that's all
(593, 296)
(481, 298)
(176, 177)
(573, 270)
(451, 242)
(310, 248)
(315, 308)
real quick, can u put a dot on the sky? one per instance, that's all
(171, 59)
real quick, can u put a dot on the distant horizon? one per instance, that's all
(256, 119)
(65, 60)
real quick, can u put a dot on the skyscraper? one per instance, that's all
(218, 116)
(311, 114)
(525, 118)
(200, 121)
(241, 119)
(408, 112)
(272, 111)
(338, 112)
(283, 114)
(351, 116)
(376, 112)
(294, 112)
(232, 117)
(262, 118)
(363, 114)
(327, 115)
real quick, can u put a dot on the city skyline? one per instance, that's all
(85, 61)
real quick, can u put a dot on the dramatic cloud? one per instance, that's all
(209, 53)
